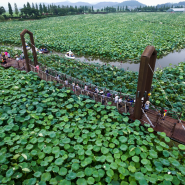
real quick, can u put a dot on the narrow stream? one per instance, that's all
(173, 58)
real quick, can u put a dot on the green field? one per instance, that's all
(113, 36)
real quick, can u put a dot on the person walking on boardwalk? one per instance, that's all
(108, 94)
(9, 56)
(120, 101)
(101, 92)
(37, 68)
(146, 106)
(73, 84)
(85, 87)
(96, 90)
(164, 115)
(116, 98)
(66, 82)
(46, 70)
(57, 78)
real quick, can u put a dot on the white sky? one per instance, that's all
(21, 2)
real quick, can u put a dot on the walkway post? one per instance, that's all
(147, 66)
(25, 50)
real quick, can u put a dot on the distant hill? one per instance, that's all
(182, 3)
(68, 3)
(104, 4)
(130, 4)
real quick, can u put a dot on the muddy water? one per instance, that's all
(173, 58)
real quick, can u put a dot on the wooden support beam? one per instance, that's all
(25, 50)
(148, 59)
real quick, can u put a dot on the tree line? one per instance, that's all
(51, 9)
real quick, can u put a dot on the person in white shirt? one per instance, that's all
(120, 101)
(66, 82)
(96, 90)
(116, 98)
(77, 87)
(85, 87)
(101, 92)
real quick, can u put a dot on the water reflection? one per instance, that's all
(173, 58)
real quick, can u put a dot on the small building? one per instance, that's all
(176, 10)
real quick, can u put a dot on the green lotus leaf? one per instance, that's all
(45, 177)
(55, 169)
(122, 139)
(59, 161)
(71, 175)
(90, 180)
(168, 177)
(145, 161)
(139, 176)
(88, 171)
(75, 166)
(29, 147)
(9, 173)
(41, 155)
(37, 174)
(62, 171)
(65, 182)
(104, 150)
(80, 174)
(132, 168)
(81, 181)
(110, 173)
(181, 147)
(136, 159)
(47, 149)
(44, 163)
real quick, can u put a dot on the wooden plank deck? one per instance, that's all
(170, 126)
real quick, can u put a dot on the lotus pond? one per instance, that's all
(112, 36)
(171, 79)
(51, 136)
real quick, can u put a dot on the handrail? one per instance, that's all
(92, 95)
(82, 82)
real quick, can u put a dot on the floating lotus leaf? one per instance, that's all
(181, 147)
(47, 149)
(139, 176)
(9, 173)
(59, 161)
(37, 174)
(45, 177)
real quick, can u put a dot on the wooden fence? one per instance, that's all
(122, 107)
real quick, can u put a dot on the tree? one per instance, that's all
(118, 9)
(36, 6)
(16, 9)
(40, 9)
(10, 9)
(33, 6)
(2, 10)
(92, 9)
(28, 5)
(44, 8)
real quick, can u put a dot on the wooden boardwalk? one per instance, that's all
(170, 126)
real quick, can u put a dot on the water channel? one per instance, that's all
(172, 58)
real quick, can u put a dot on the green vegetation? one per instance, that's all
(113, 36)
(171, 80)
(106, 76)
(50, 136)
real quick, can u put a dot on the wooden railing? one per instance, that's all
(126, 107)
